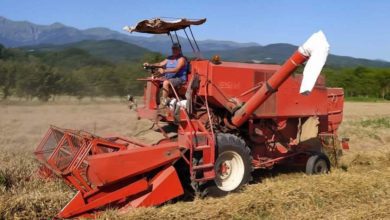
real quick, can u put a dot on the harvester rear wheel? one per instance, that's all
(317, 164)
(233, 166)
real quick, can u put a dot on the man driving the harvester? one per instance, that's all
(174, 71)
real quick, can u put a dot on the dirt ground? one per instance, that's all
(373, 136)
(361, 190)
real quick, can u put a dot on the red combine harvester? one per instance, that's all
(229, 120)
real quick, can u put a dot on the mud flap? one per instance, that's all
(80, 205)
(161, 188)
(165, 186)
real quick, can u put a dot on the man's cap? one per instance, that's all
(176, 45)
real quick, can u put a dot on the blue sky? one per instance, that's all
(354, 28)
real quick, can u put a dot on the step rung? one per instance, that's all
(201, 147)
(203, 179)
(203, 166)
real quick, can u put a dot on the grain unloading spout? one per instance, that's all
(315, 50)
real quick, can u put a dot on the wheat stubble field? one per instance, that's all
(359, 190)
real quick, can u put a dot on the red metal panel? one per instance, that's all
(228, 79)
(108, 168)
(269, 107)
(151, 92)
(277, 79)
(291, 103)
(287, 102)
(335, 108)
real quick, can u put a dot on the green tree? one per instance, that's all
(8, 71)
(38, 80)
(2, 50)
(153, 57)
(383, 80)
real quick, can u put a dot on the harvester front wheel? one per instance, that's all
(317, 164)
(233, 166)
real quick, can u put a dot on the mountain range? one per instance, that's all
(24, 33)
(116, 46)
(111, 50)
(278, 53)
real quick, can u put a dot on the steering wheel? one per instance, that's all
(153, 70)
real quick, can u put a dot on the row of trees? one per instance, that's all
(361, 81)
(75, 72)
(27, 79)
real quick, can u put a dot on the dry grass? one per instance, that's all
(362, 191)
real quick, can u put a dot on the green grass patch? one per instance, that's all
(383, 122)
(365, 99)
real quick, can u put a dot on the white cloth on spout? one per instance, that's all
(317, 49)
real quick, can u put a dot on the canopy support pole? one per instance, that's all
(169, 34)
(189, 40)
(194, 38)
(177, 38)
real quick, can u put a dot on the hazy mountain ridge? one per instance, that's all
(23, 33)
(124, 46)
(278, 53)
(111, 50)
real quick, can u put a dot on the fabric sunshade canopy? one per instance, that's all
(161, 26)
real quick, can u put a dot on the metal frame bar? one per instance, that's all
(197, 46)
(169, 34)
(177, 38)
(189, 40)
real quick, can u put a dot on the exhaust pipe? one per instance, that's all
(315, 50)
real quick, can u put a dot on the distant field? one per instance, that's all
(359, 191)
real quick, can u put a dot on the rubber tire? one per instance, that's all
(230, 142)
(317, 164)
